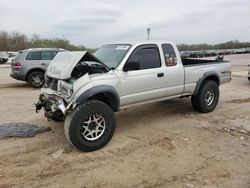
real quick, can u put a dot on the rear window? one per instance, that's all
(33, 56)
(20, 55)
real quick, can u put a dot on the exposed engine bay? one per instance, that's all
(88, 64)
(89, 67)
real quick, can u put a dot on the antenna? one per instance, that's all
(148, 33)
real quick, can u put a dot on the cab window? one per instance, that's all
(169, 55)
(144, 57)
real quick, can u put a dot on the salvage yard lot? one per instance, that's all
(165, 144)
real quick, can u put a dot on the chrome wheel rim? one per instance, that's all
(93, 127)
(37, 80)
(209, 97)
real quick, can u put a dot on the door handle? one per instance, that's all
(43, 63)
(160, 74)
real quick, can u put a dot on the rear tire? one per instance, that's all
(90, 126)
(207, 98)
(36, 79)
(249, 79)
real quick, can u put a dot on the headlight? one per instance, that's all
(65, 89)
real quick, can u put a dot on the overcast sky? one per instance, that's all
(95, 22)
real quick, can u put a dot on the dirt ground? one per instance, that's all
(166, 144)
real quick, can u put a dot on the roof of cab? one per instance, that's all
(142, 42)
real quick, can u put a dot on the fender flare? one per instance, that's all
(98, 90)
(206, 75)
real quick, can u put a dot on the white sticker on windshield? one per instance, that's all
(122, 47)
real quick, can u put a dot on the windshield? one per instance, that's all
(112, 54)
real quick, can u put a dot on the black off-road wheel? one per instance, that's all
(36, 79)
(207, 98)
(90, 126)
(249, 79)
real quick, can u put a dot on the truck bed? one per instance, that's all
(194, 61)
(196, 68)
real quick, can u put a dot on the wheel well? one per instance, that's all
(202, 80)
(32, 70)
(213, 78)
(108, 98)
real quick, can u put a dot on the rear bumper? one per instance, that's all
(225, 80)
(18, 77)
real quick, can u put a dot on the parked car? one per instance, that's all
(184, 54)
(241, 51)
(87, 89)
(11, 56)
(31, 64)
(3, 57)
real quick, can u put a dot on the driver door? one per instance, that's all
(142, 77)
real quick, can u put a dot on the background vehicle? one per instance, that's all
(11, 57)
(88, 89)
(3, 57)
(31, 64)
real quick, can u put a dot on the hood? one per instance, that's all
(63, 64)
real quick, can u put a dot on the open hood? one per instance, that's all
(63, 64)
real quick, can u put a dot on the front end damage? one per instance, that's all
(55, 98)
(54, 106)
(68, 68)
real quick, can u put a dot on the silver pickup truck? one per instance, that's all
(87, 89)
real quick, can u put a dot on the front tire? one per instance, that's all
(36, 79)
(90, 126)
(249, 79)
(207, 98)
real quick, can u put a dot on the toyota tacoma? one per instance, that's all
(85, 90)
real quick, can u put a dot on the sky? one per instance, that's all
(95, 22)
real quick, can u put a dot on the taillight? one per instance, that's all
(16, 65)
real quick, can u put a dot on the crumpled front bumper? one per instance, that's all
(51, 104)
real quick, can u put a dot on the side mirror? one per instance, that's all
(132, 65)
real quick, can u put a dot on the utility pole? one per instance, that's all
(148, 33)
